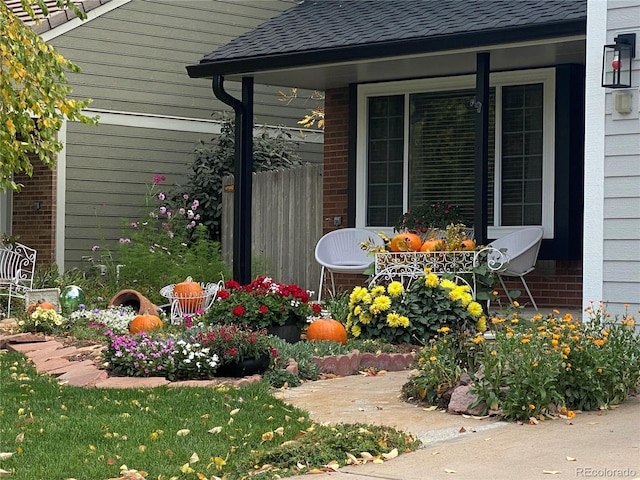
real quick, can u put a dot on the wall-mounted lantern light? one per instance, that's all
(616, 61)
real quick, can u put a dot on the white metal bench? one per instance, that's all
(17, 267)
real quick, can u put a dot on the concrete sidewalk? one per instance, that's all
(592, 445)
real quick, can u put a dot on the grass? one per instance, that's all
(63, 432)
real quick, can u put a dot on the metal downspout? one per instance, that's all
(243, 167)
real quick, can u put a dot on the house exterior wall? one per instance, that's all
(152, 115)
(621, 201)
(554, 283)
(34, 212)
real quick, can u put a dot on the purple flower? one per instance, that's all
(163, 209)
(125, 240)
(182, 211)
(195, 204)
(82, 306)
(158, 179)
(161, 197)
(134, 224)
(185, 196)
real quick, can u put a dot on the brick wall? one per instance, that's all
(554, 283)
(36, 227)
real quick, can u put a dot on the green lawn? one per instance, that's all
(61, 432)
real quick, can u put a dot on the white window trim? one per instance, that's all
(497, 80)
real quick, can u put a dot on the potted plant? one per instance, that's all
(240, 351)
(424, 219)
(281, 309)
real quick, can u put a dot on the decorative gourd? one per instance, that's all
(189, 295)
(468, 244)
(327, 329)
(40, 304)
(405, 242)
(145, 323)
(431, 245)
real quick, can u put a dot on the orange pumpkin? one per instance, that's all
(468, 244)
(327, 329)
(405, 242)
(144, 323)
(431, 245)
(189, 295)
(40, 304)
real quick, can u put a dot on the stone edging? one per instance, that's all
(71, 366)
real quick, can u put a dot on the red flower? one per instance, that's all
(263, 309)
(239, 311)
(232, 285)
(316, 308)
(223, 294)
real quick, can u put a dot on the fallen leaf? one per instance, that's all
(267, 436)
(533, 421)
(352, 460)
(551, 472)
(333, 465)
(448, 470)
(234, 411)
(571, 459)
(279, 431)
(194, 458)
(4, 473)
(215, 430)
(5, 455)
(430, 409)
(186, 468)
(183, 433)
(392, 454)
(20, 437)
(378, 460)
(435, 453)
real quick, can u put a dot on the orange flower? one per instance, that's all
(571, 414)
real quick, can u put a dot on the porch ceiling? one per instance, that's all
(433, 64)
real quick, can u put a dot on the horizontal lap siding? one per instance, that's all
(134, 57)
(108, 169)
(621, 270)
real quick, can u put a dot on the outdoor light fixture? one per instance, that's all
(616, 61)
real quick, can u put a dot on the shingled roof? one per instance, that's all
(316, 31)
(56, 15)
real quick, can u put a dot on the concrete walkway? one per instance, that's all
(592, 445)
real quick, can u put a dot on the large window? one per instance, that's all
(417, 146)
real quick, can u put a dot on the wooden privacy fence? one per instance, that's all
(286, 224)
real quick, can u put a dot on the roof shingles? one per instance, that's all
(316, 25)
(56, 15)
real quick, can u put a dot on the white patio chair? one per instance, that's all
(17, 267)
(339, 251)
(521, 249)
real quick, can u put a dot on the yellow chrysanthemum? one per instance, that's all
(366, 298)
(365, 318)
(432, 358)
(380, 304)
(444, 329)
(431, 280)
(356, 331)
(393, 320)
(375, 291)
(481, 324)
(475, 309)
(357, 310)
(448, 284)
(478, 339)
(404, 321)
(395, 288)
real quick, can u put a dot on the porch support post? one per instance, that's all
(243, 168)
(481, 171)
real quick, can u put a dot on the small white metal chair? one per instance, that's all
(340, 251)
(17, 267)
(521, 249)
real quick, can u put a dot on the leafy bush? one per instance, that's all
(435, 216)
(538, 366)
(271, 151)
(166, 245)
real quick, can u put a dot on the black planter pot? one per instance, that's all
(290, 332)
(243, 368)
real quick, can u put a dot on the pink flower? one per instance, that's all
(125, 240)
(263, 309)
(158, 179)
(161, 197)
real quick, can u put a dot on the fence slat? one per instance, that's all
(286, 224)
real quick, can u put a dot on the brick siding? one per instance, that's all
(36, 228)
(555, 284)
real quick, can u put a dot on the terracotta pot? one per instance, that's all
(135, 300)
